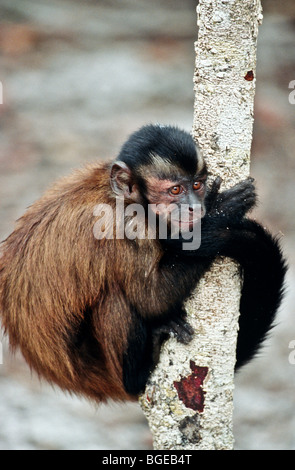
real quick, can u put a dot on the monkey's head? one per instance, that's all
(162, 166)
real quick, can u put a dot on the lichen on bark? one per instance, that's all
(224, 84)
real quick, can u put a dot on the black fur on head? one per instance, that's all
(172, 144)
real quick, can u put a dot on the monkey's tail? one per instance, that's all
(264, 269)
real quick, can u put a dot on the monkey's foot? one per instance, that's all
(180, 329)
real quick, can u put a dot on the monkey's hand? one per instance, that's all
(231, 204)
(226, 210)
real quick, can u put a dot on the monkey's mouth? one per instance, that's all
(185, 224)
(188, 219)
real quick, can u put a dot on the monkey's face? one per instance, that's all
(178, 202)
(161, 168)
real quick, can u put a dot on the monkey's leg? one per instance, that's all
(138, 361)
(145, 343)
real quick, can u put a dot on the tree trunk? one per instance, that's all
(189, 398)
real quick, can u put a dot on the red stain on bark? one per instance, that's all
(249, 76)
(190, 390)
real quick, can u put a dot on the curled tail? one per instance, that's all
(264, 269)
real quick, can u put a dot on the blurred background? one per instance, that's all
(78, 76)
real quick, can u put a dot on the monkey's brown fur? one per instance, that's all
(53, 270)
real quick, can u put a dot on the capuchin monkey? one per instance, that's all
(89, 312)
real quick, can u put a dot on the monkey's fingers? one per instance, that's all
(239, 199)
(213, 193)
(216, 184)
(235, 202)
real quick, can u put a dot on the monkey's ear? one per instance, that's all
(121, 179)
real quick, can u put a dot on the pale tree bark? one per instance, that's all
(189, 398)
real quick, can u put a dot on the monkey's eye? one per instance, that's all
(197, 185)
(175, 190)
